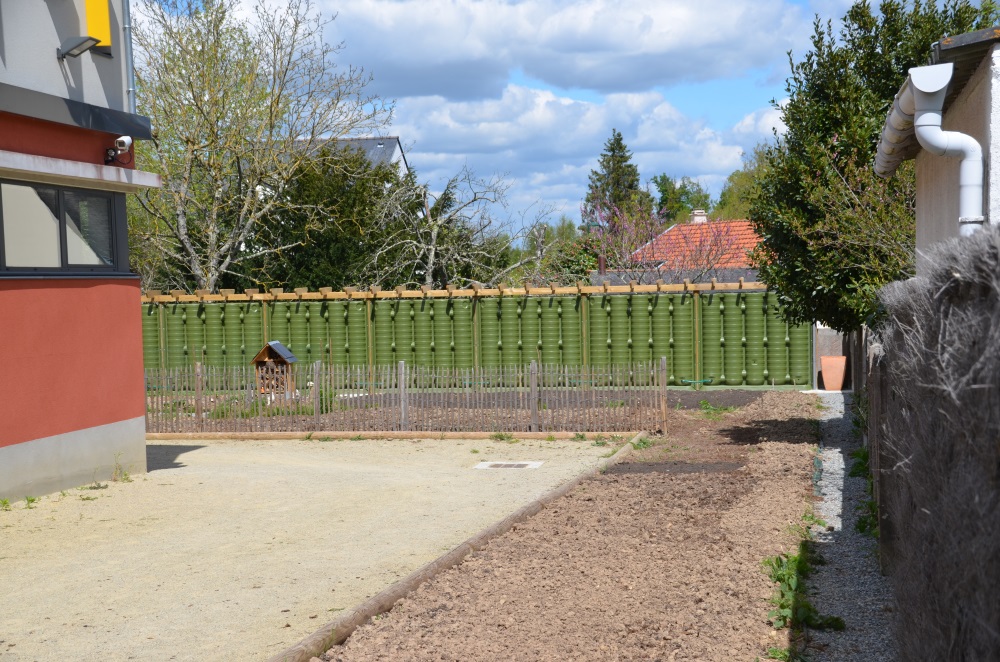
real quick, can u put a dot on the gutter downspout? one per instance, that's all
(129, 64)
(929, 87)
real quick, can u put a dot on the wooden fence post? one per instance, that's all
(663, 394)
(317, 395)
(198, 406)
(533, 372)
(404, 417)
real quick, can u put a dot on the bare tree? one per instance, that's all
(239, 99)
(460, 235)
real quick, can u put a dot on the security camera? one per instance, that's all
(123, 143)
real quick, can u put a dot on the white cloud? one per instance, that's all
(762, 123)
(548, 144)
(463, 49)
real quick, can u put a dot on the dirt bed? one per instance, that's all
(659, 558)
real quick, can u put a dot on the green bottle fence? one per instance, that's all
(730, 338)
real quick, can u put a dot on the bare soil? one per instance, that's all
(657, 559)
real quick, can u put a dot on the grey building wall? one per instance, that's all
(28, 55)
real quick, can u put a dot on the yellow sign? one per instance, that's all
(99, 21)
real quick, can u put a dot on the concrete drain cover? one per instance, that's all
(503, 464)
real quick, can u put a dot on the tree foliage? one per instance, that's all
(679, 197)
(333, 250)
(739, 189)
(615, 184)
(240, 98)
(833, 233)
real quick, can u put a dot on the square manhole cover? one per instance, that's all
(505, 464)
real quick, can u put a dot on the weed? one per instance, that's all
(474, 450)
(779, 654)
(712, 412)
(63, 493)
(579, 436)
(358, 437)
(84, 497)
(859, 412)
(120, 474)
(600, 443)
(867, 522)
(325, 439)
(308, 437)
(29, 502)
(860, 468)
(614, 403)
(4, 504)
(504, 436)
(600, 437)
(551, 437)
(645, 442)
(791, 606)
(810, 519)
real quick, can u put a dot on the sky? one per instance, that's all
(531, 89)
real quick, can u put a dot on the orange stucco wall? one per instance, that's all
(71, 356)
(28, 135)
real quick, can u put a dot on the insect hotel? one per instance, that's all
(273, 369)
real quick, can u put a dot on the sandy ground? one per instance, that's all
(232, 550)
(657, 559)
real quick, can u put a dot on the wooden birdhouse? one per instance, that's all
(273, 366)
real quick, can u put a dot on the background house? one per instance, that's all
(700, 251)
(380, 151)
(72, 403)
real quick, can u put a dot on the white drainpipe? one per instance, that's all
(930, 85)
(919, 105)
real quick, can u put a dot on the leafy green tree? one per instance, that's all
(679, 197)
(333, 249)
(615, 184)
(739, 189)
(821, 211)
(240, 96)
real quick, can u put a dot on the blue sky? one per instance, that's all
(533, 88)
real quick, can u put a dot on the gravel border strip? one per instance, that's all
(337, 631)
(849, 584)
(342, 434)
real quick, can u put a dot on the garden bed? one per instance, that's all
(659, 558)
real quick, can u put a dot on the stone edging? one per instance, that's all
(341, 434)
(337, 631)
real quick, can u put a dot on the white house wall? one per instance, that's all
(971, 112)
(28, 56)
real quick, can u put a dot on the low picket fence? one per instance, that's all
(318, 397)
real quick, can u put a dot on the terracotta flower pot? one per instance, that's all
(833, 368)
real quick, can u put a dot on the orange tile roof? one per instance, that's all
(724, 243)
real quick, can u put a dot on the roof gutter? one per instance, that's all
(917, 112)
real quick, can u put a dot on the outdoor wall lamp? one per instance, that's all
(76, 46)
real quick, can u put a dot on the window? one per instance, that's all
(61, 230)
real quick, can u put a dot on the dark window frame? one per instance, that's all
(119, 237)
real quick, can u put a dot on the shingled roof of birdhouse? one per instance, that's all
(279, 350)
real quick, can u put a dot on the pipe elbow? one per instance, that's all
(948, 143)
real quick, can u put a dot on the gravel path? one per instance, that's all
(849, 585)
(234, 550)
